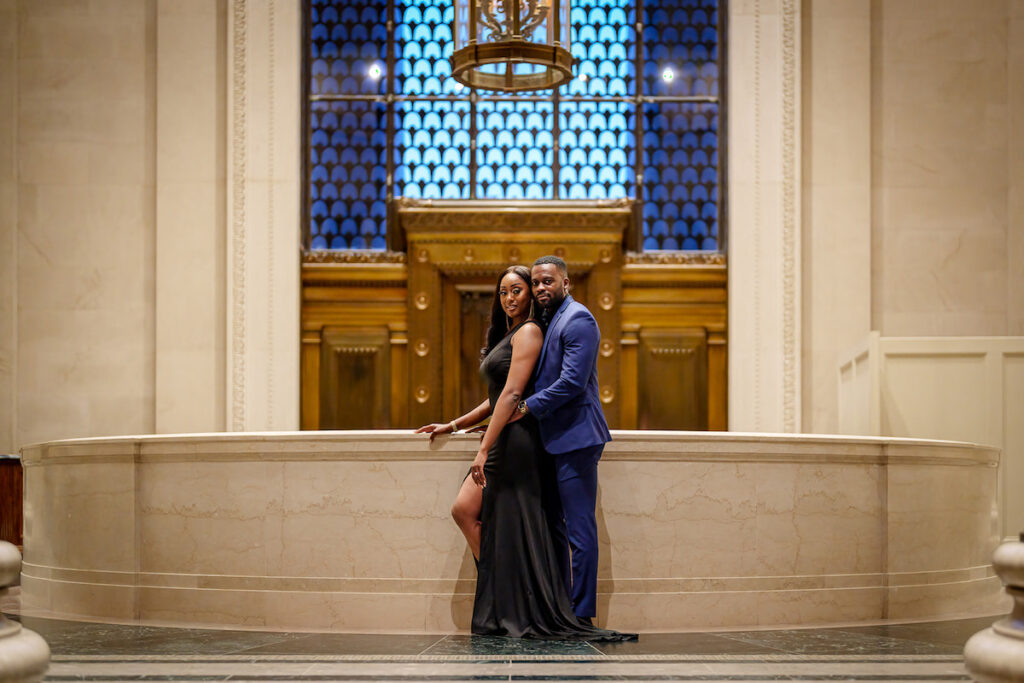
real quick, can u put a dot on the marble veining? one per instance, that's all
(350, 531)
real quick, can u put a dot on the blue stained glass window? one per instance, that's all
(423, 46)
(347, 177)
(680, 176)
(514, 148)
(640, 119)
(596, 150)
(434, 143)
(603, 40)
(680, 47)
(348, 47)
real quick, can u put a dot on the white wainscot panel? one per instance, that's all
(956, 388)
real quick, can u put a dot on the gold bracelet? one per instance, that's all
(454, 426)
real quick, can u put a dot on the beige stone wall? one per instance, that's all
(351, 531)
(190, 215)
(1015, 156)
(942, 190)
(125, 253)
(112, 146)
(116, 187)
(913, 187)
(836, 196)
(8, 221)
(84, 181)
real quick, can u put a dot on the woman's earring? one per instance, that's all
(508, 323)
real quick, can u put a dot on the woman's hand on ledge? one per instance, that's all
(435, 429)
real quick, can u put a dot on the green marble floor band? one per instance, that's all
(892, 652)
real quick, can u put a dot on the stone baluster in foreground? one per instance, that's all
(24, 655)
(997, 653)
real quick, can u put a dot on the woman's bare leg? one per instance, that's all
(466, 513)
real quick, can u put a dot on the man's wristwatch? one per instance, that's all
(523, 408)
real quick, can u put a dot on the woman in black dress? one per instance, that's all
(519, 591)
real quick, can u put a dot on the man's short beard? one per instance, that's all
(555, 301)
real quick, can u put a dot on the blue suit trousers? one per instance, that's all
(574, 531)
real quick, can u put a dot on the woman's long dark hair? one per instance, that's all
(499, 323)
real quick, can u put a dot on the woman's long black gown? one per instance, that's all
(519, 589)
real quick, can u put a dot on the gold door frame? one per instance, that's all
(451, 243)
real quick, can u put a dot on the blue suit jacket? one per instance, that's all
(566, 403)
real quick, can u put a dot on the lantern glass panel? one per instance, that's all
(564, 25)
(490, 21)
(461, 37)
(495, 20)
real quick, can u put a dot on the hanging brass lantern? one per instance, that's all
(511, 45)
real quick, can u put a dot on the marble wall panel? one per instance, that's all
(245, 609)
(446, 613)
(941, 190)
(1013, 445)
(94, 601)
(836, 234)
(818, 519)
(81, 516)
(345, 612)
(351, 531)
(682, 509)
(668, 612)
(846, 604)
(210, 517)
(336, 511)
(979, 596)
(190, 215)
(1015, 155)
(85, 228)
(36, 592)
(8, 224)
(305, 611)
(927, 506)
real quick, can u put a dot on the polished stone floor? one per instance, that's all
(893, 652)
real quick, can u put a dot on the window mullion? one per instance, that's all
(556, 146)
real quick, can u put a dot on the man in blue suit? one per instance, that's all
(572, 425)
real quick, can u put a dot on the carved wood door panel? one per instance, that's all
(475, 311)
(673, 379)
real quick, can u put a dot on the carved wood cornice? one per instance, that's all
(352, 256)
(512, 221)
(352, 282)
(478, 236)
(669, 273)
(519, 222)
(355, 274)
(483, 205)
(482, 269)
(675, 258)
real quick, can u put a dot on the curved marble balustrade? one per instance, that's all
(350, 531)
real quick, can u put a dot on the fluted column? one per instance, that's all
(24, 655)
